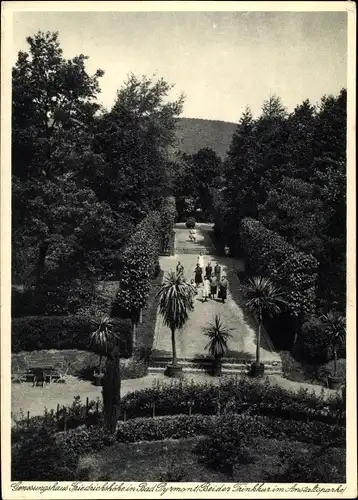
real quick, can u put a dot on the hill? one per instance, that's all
(194, 134)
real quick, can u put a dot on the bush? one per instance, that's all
(268, 254)
(190, 223)
(68, 332)
(158, 428)
(328, 370)
(227, 446)
(137, 267)
(38, 457)
(307, 466)
(313, 344)
(133, 368)
(240, 396)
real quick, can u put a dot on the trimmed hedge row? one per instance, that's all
(269, 254)
(138, 265)
(168, 214)
(240, 396)
(64, 332)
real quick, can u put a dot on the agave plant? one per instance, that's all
(175, 303)
(335, 328)
(262, 295)
(219, 335)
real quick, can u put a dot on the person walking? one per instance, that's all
(201, 261)
(180, 268)
(213, 286)
(208, 270)
(198, 278)
(217, 271)
(206, 289)
(223, 289)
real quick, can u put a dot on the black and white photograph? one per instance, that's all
(177, 285)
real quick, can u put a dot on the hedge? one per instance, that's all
(268, 254)
(168, 214)
(64, 332)
(138, 264)
(241, 396)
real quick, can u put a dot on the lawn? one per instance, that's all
(176, 460)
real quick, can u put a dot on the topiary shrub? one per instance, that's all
(190, 223)
(313, 345)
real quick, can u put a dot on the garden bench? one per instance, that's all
(40, 370)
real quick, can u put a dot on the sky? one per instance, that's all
(221, 61)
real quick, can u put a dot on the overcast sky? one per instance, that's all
(221, 61)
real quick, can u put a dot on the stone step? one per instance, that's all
(238, 369)
(195, 251)
(226, 360)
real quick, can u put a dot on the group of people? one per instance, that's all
(192, 235)
(213, 284)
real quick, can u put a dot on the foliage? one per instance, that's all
(175, 303)
(270, 255)
(262, 295)
(228, 445)
(137, 266)
(37, 457)
(68, 332)
(190, 223)
(311, 466)
(313, 343)
(219, 334)
(240, 396)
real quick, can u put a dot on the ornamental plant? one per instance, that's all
(268, 254)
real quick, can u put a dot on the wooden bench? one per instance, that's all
(40, 370)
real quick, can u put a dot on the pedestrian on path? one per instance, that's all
(206, 289)
(208, 271)
(200, 261)
(223, 289)
(193, 286)
(217, 271)
(180, 268)
(198, 275)
(213, 286)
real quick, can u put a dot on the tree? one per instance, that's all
(335, 328)
(205, 175)
(175, 303)
(262, 296)
(218, 334)
(134, 138)
(106, 340)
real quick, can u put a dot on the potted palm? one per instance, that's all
(335, 328)
(262, 296)
(175, 302)
(219, 335)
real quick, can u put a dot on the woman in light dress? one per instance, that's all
(200, 261)
(206, 289)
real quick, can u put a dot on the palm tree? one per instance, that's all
(335, 328)
(105, 340)
(219, 335)
(262, 296)
(175, 302)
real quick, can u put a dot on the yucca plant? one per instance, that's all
(105, 339)
(335, 328)
(262, 296)
(175, 303)
(218, 334)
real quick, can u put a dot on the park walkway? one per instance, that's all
(191, 340)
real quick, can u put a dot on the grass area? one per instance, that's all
(176, 460)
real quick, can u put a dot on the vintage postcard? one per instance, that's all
(178, 250)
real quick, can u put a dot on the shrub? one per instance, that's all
(137, 266)
(313, 344)
(190, 223)
(308, 466)
(67, 332)
(328, 370)
(133, 368)
(158, 428)
(268, 254)
(260, 399)
(38, 457)
(227, 446)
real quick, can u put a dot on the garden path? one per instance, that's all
(191, 340)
